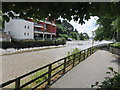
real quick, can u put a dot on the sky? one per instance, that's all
(88, 27)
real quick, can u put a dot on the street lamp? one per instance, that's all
(92, 38)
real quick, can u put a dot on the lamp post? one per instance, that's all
(92, 38)
(44, 31)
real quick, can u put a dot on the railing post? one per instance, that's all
(64, 70)
(87, 52)
(84, 54)
(49, 74)
(79, 56)
(90, 50)
(17, 84)
(73, 60)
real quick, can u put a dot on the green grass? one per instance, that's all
(39, 74)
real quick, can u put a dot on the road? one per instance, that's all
(18, 64)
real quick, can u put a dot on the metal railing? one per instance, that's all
(54, 71)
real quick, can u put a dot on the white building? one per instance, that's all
(20, 29)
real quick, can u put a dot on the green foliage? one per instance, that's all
(65, 36)
(109, 28)
(73, 35)
(85, 35)
(66, 30)
(116, 45)
(1, 19)
(110, 83)
(81, 10)
(75, 50)
(32, 43)
(37, 74)
(81, 36)
(105, 30)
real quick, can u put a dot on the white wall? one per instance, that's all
(20, 29)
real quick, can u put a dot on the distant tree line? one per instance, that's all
(66, 30)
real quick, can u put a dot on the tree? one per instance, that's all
(85, 36)
(66, 30)
(74, 35)
(81, 36)
(0, 20)
(105, 30)
(81, 10)
(116, 28)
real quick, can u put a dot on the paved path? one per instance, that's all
(89, 71)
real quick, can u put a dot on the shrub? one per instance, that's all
(32, 43)
(75, 50)
(110, 83)
(116, 45)
(37, 74)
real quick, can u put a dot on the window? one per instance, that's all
(25, 27)
(24, 33)
(8, 32)
(27, 33)
(28, 27)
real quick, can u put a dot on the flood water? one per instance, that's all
(19, 64)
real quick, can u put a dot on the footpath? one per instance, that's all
(89, 71)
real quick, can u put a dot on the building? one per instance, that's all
(20, 29)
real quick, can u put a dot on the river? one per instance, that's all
(19, 64)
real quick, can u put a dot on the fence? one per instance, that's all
(47, 75)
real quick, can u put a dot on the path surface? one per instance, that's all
(18, 64)
(89, 71)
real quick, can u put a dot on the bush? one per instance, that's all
(5, 45)
(32, 43)
(116, 45)
(110, 83)
(75, 50)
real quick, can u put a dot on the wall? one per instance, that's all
(114, 50)
(20, 29)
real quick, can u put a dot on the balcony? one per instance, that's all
(38, 26)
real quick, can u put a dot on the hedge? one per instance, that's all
(31, 43)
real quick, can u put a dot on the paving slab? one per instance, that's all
(89, 71)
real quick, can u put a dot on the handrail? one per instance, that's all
(67, 62)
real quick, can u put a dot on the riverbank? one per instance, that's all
(11, 51)
(26, 62)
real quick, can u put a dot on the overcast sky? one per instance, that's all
(88, 27)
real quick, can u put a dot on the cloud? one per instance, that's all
(88, 27)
